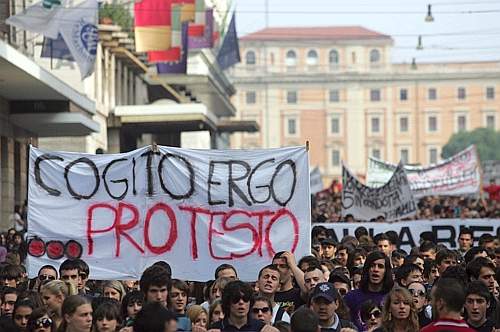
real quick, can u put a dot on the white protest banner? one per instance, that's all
(394, 200)
(445, 230)
(316, 182)
(455, 176)
(195, 209)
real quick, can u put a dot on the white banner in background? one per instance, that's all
(446, 230)
(316, 182)
(195, 209)
(455, 176)
(394, 200)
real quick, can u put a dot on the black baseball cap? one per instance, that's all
(325, 290)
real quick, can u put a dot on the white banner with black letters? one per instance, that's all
(445, 230)
(394, 200)
(195, 209)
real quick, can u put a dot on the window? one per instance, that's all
(403, 94)
(376, 153)
(432, 94)
(333, 59)
(490, 92)
(353, 57)
(291, 97)
(462, 123)
(291, 58)
(334, 96)
(461, 93)
(403, 124)
(335, 125)
(312, 58)
(432, 124)
(251, 97)
(490, 121)
(433, 155)
(250, 58)
(335, 158)
(291, 126)
(404, 156)
(375, 95)
(374, 56)
(375, 125)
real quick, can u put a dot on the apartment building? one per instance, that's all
(337, 88)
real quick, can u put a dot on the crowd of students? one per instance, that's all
(359, 284)
(327, 207)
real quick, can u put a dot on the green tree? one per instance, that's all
(487, 142)
(118, 12)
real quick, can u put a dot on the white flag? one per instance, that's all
(40, 18)
(79, 31)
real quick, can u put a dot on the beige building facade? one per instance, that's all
(337, 88)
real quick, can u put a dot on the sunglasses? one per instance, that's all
(374, 313)
(264, 310)
(237, 299)
(44, 322)
(44, 277)
(417, 292)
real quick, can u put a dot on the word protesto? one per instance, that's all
(250, 184)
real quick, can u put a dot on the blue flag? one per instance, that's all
(56, 49)
(229, 53)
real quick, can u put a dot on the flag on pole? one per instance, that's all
(43, 18)
(79, 31)
(229, 53)
(152, 19)
(197, 28)
(178, 66)
(56, 49)
(174, 52)
(206, 40)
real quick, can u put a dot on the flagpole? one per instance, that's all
(51, 53)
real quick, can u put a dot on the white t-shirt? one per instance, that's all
(285, 317)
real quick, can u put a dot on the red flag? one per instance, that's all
(152, 20)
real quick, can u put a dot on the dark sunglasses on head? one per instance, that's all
(417, 292)
(43, 322)
(264, 310)
(376, 313)
(44, 277)
(237, 299)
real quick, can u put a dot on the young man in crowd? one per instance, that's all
(288, 296)
(329, 248)
(268, 284)
(376, 282)
(324, 302)
(236, 303)
(342, 255)
(69, 270)
(448, 298)
(341, 283)
(427, 250)
(477, 302)
(482, 269)
(465, 240)
(227, 271)
(155, 283)
(408, 273)
(445, 258)
(312, 277)
(304, 320)
(384, 244)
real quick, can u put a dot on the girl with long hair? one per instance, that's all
(76, 312)
(399, 312)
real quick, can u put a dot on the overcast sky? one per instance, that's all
(462, 29)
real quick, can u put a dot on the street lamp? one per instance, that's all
(429, 17)
(419, 44)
